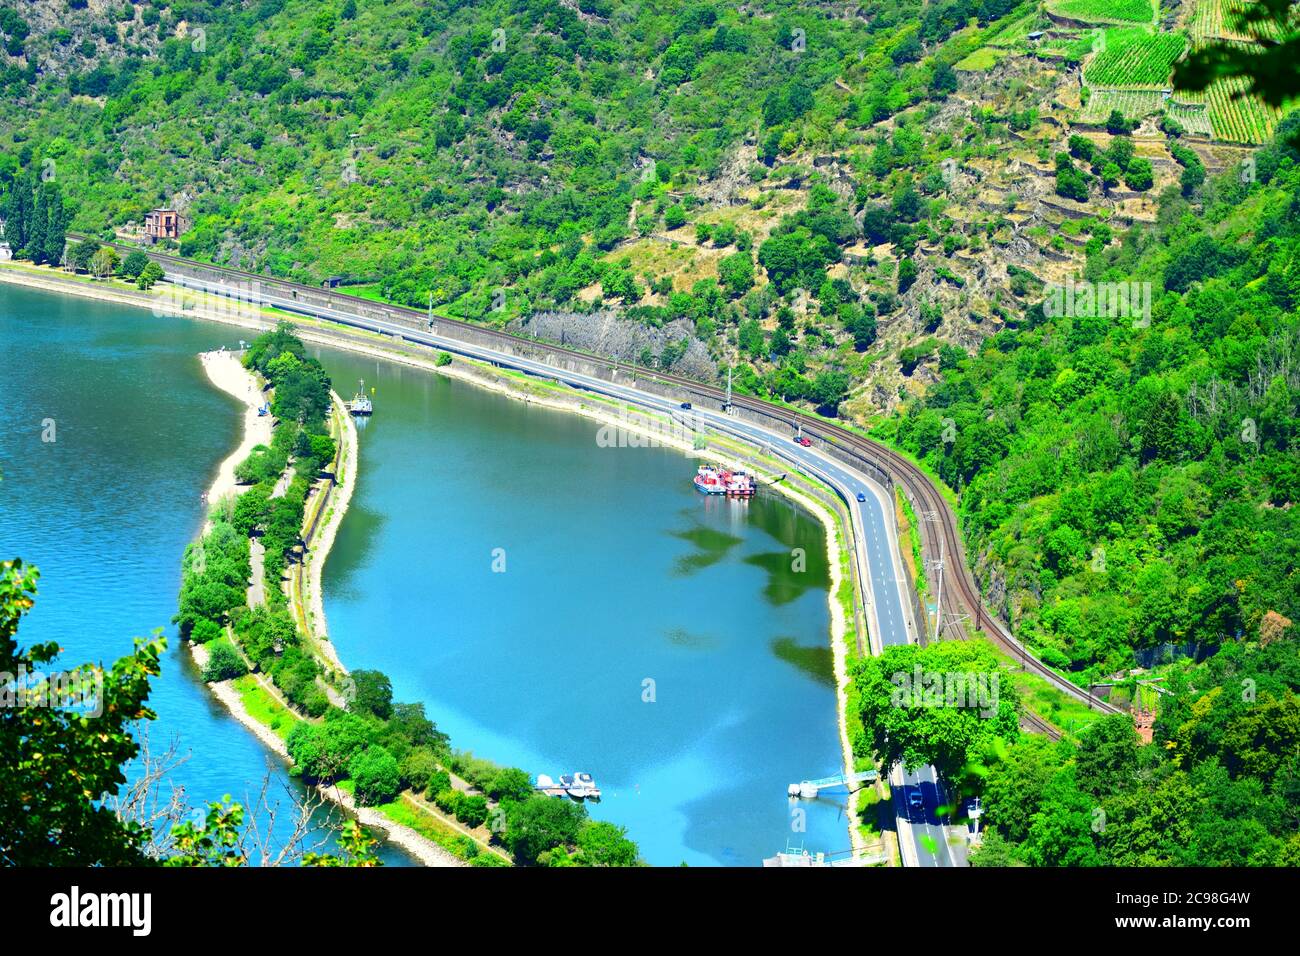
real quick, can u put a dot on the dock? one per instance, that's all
(799, 857)
(808, 789)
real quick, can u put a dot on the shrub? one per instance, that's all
(444, 358)
(224, 662)
(376, 775)
(472, 810)
(439, 783)
(417, 767)
(205, 630)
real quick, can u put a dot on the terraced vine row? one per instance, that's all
(1132, 104)
(1241, 120)
(1192, 117)
(1104, 11)
(1135, 59)
(1215, 19)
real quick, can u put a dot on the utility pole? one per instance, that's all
(430, 308)
(727, 407)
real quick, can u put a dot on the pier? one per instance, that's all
(808, 789)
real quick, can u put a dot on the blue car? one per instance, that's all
(861, 496)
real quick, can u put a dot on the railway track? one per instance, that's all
(940, 535)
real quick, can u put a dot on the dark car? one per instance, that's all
(686, 404)
(861, 496)
(915, 800)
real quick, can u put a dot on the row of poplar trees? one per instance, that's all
(35, 222)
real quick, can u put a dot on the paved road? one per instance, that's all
(876, 549)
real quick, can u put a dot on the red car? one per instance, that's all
(806, 442)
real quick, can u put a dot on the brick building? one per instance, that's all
(163, 224)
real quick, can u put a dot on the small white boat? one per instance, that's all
(361, 405)
(579, 786)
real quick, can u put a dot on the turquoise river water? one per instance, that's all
(557, 605)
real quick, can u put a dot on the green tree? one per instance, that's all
(917, 720)
(601, 843)
(373, 694)
(376, 775)
(736, 273)
(133, 264)
(539, 824)
(60, 763)
(224, 662)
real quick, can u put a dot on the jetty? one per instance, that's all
(808, 789)
(797, 856)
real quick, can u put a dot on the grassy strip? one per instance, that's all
(264, 708)
(913, 532)
(403, 813)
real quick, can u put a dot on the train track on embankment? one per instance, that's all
(941, 538)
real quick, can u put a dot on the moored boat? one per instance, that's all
(360, 404)
(712, 480)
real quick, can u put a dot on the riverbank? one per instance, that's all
(317, 549)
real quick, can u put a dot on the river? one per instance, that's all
(106, 509)
(526, 583)
(557, 605)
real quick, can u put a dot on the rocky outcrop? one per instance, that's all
(606, 333)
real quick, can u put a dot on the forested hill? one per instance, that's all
(1129, 481)
(505, 156)
(438, 144)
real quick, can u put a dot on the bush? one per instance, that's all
(447, 800)
(224, 662)
(205, 630)
(472, 810)
(444, 358)
(376, 775)
(439, 783)
(417, 767)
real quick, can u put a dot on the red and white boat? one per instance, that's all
(712, 480)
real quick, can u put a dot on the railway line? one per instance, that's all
(941, 539)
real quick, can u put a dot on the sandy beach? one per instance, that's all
(227, 373)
